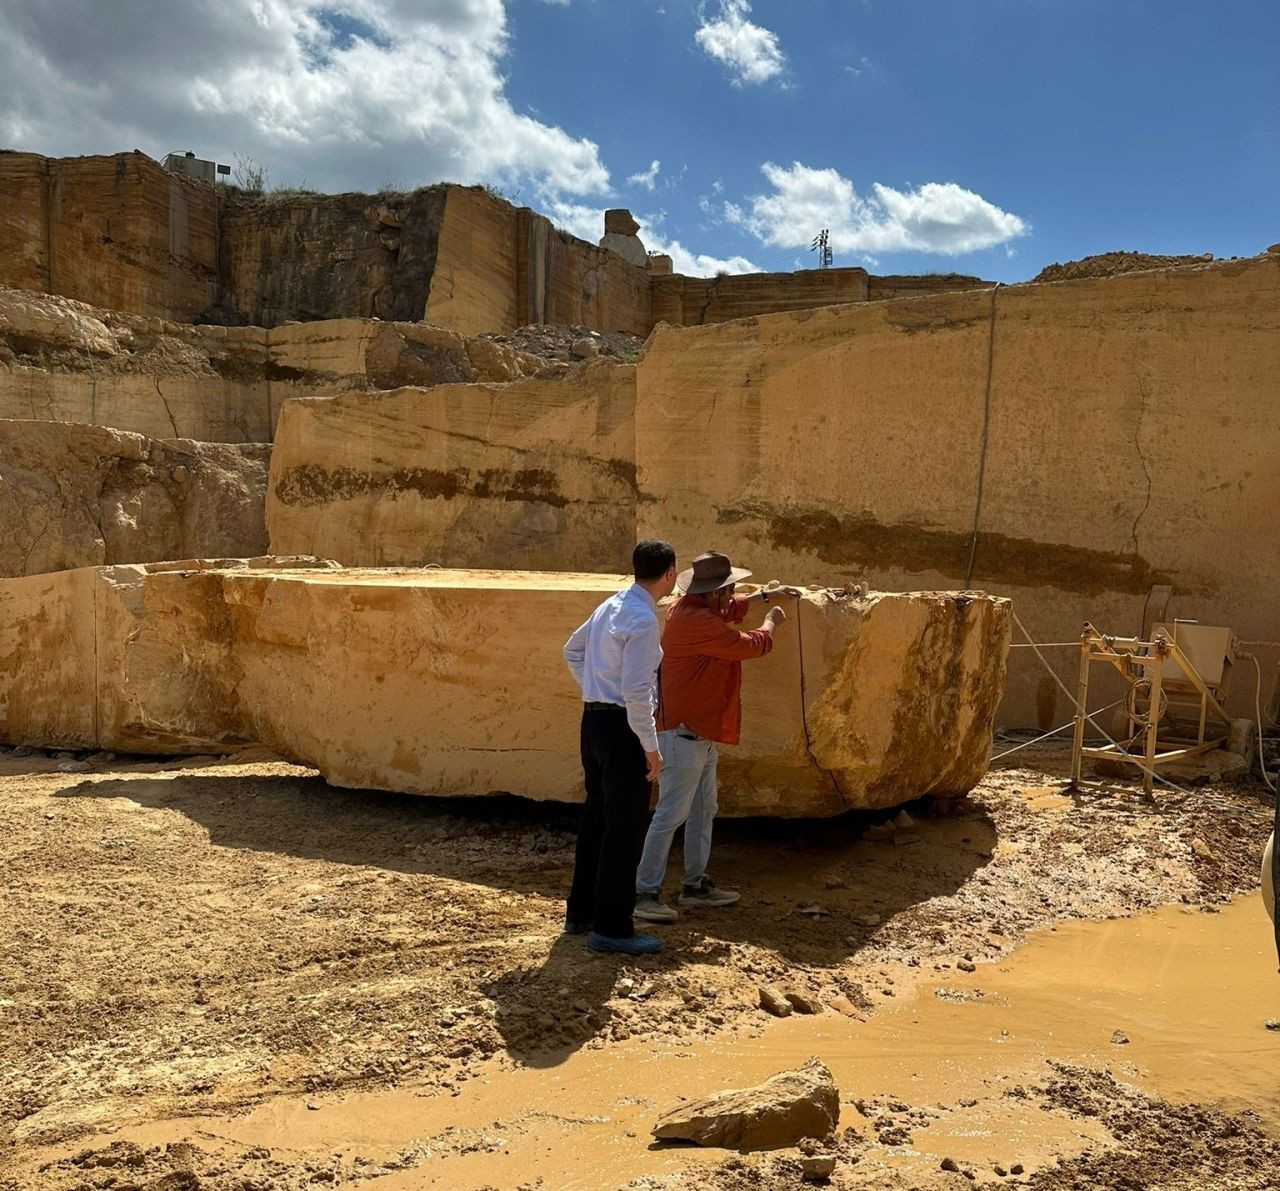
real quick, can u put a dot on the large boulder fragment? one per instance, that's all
(452, 682)
(540, 472)
(779, 1112)
(76, 495)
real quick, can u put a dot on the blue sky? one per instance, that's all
(1103, 125)
(983, 136)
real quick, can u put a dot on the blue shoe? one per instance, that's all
(635, 945)
(576, 928)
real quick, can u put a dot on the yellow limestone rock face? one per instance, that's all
(1124, 428)
(452, 682)
(540, 472)
(73, 495)
(129, 658)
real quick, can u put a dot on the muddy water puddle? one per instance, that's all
(1174, 1002)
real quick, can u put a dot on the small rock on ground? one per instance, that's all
(772, 1001)
(842, 1004)
(802, 1002)
(1201, 849)
(779, 1112)
(817, 1167)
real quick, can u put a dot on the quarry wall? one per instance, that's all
(122, 233)
(537, 475)
(498, 267)
(913, 285)
(118, 231)
(694, 301)
(1125, 429)
(310, 257)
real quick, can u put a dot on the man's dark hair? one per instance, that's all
(652, 559)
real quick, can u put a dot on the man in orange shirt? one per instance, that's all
(699, 706)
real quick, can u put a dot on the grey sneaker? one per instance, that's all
(704, 893)
(650, 909)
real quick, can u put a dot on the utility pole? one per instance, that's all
(822, 246)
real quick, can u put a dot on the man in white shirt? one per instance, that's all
(614, 658)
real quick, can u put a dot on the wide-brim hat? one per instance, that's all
(710, 572)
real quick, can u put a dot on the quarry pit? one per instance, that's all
(289, 752)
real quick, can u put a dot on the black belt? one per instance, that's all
(590, 706)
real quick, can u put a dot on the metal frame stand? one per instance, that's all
(1144, 664)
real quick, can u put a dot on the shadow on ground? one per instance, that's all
(810, 887)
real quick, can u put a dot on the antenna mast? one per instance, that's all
(822, 246)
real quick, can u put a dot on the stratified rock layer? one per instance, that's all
(62, 360)
(1069, 445)
(76, 496)
(538, 473)
(452, 682)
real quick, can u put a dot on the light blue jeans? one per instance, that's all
(686, 794)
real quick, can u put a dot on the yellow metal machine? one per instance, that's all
(1177, 682)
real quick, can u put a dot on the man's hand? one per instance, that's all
(773, 618)
(654, 760)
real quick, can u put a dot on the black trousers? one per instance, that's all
(614, 819)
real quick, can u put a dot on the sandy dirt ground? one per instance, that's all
(225, 975)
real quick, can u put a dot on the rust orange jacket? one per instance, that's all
(701, 676)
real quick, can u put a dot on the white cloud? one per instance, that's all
(578, 219)
(646, 178)
(939, 217)
(697, 264)
(751, 52)
(345, 95)
(587, 223)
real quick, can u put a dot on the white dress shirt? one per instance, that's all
(614, 657)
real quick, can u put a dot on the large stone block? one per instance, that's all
(76, 496)
(452, 682)
(900, 690)
(538, 473)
